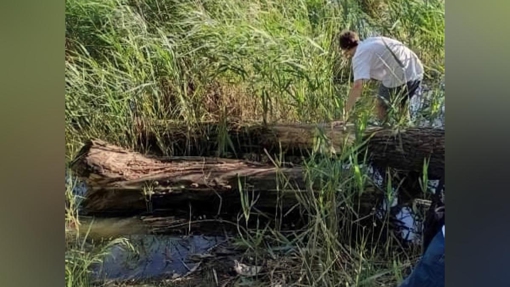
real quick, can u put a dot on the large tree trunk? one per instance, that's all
(408, 150)
(403, 150)
(125, 181)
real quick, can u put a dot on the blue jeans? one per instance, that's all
(430, 269)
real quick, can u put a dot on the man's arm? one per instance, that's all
(354, 94)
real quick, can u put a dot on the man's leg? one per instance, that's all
(382, 110)
(383, 103)
(407, 92)
(430, 269)
(413, 88)
(394, 101)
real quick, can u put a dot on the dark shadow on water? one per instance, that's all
(154, 257)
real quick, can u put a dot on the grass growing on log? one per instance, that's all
(132, 64)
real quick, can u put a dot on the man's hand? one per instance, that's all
(354, 94)
(342, 122)
(337, 123)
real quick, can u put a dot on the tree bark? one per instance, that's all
(127, 182)
(402, 150)
(409, 150)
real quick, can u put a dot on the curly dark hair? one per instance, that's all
(348, 39)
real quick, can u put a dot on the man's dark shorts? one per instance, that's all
(402, 93)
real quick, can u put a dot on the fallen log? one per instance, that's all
(403, 150)
(124, 181)
(408, 150)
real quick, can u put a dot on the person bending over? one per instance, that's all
(395, 66)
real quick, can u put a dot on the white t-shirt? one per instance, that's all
(373, 60)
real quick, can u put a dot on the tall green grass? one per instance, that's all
(201, 60)
(132, 63)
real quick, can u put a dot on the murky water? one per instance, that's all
(410, 223)
(154, 257)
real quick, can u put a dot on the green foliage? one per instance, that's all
(189, 60)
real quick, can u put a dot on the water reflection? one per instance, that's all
(154, 257)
